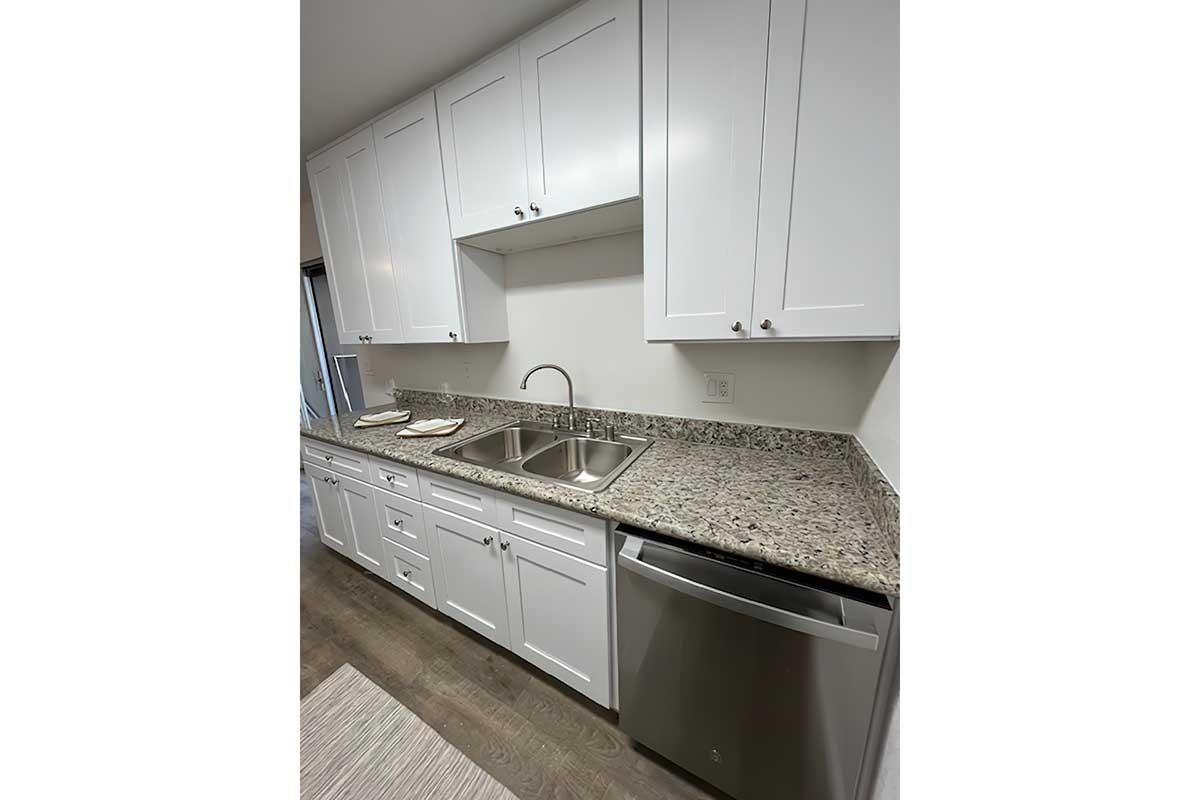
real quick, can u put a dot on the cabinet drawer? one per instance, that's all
(338, 459)
(401, 521)
(395, 477)
(410, 571)
(566, 531)
(463, 498)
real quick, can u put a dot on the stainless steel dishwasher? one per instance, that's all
(760, 682)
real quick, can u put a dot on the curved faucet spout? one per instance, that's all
(570, 389)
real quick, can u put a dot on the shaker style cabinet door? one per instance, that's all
(828, 246)
(558, 615)
(483, 145)
(468, 576)
(350, 224)
(579, 76)
(362, 523)
(704, 72)
(328, 508)
(414, 199)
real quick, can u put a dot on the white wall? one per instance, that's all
(580, 305)
(879, 428)
(310, 244)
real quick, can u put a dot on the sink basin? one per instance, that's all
(506, 444)
(542, 452)
(582, 462)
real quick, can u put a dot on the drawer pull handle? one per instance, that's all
(487, 540)
(329, 458)
(390, 478)
(406, 573)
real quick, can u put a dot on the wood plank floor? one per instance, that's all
(532, 733)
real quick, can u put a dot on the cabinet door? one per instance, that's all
(414, 199)
(362, 523)
(468, 574)
(350, 224)
(483, 145)
(828, 254)
(329, 508)
(579, 77)
(704, 72)
(558, 615)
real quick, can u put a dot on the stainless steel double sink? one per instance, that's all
(542, 452)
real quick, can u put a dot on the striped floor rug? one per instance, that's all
(358, 742)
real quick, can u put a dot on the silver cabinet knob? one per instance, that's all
(534, 208)
(396, 522)
(329, 458)
(406, 573)
(333, 481)
(389, 478)
(735, 327)
(487, 540)
(765, 324)
(504, 545)
(518, 211)
(325, 478)
(453, 335)
(368, 339)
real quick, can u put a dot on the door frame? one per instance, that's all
(306, 269)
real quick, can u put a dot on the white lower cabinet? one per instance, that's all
(362, 523)
(546, 600)
(558, 614)
(409, 571)
(470, 578)
(329, 510)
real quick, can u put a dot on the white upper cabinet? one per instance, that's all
(414, 199)
(770, 134)
(579, 77)
(350, 224)
(483, 145)
(704, 68)
(828, 234)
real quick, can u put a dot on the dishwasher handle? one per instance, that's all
(630, 558)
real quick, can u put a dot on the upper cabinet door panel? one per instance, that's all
(414, 198)
(579, 75)
(339, 244)
(828, 256)
(353, 232)
(483, 145)
(704, 75)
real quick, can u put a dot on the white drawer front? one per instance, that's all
(395, 477)
(401, 521)
(410, 571)
(566, 531)
(460, 497)
(338, 459)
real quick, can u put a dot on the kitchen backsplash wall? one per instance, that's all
(580, 305)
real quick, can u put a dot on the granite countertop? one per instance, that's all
(791, 511)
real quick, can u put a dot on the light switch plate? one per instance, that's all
(717, 388)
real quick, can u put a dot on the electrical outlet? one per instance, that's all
(718, 387)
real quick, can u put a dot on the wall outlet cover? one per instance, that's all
(718, 387)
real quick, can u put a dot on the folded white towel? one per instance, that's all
(382, 418)
(430, 425)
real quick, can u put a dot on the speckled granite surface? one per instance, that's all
(797, 511)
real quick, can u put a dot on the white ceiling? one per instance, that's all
(360, 57)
